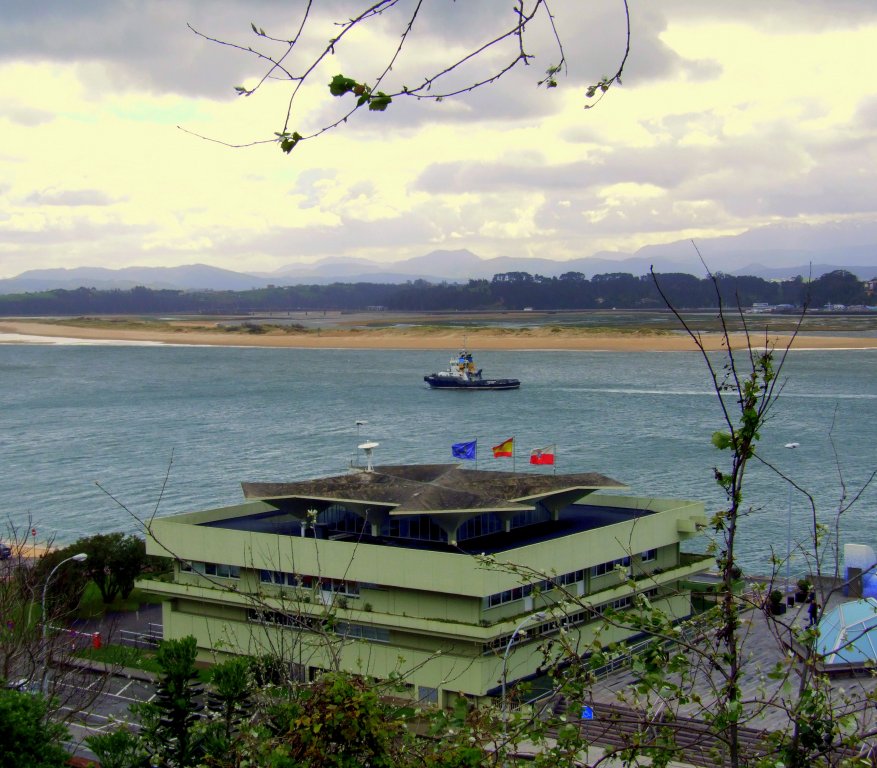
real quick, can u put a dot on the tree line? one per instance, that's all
(508, 291)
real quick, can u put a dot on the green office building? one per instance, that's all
(444, 578)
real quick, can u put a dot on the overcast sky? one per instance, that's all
(733, 115)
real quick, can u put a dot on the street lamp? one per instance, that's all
(505, 657)
(44, 684)
(790, 446)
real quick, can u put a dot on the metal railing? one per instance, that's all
(149, 639)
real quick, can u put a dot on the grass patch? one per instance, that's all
(133, 658)
(115, 323)
(122, 656)
(91, 606)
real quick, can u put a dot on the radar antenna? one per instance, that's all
(368, 448)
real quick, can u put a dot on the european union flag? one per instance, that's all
(464, 450)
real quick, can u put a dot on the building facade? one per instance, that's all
(443, 579)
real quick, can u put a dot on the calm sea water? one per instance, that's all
(171, 429)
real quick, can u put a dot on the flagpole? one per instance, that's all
(513, 455)
(476, 442)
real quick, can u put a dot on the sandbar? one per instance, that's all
(415, 337)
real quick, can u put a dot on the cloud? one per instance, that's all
(731, 116)
(69, 197)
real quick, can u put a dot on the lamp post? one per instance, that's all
(44, 684)
(791, 447)
(505, 657)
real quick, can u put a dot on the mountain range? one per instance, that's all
(780, 255)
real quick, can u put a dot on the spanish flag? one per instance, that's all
(505, 448)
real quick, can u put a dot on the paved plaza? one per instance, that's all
(766, 641)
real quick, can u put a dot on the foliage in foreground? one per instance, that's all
(27, 736)
(340, 721)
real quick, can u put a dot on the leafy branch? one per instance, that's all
(283, 67)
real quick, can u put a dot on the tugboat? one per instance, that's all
(462, 374)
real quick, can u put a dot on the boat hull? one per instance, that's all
(440, 382)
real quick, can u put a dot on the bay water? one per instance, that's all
(94, 437)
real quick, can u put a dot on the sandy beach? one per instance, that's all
(426, 337)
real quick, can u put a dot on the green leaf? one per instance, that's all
(288, 141)
(339, 85)
(379, 102)
(721, 440)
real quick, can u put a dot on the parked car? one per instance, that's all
(25, 685)
(5, 551)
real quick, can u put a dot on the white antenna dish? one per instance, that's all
(368, 448)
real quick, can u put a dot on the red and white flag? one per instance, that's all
(543, 455)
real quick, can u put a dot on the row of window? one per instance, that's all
(284, 579)
(351, 588)
(609, 566)
(563, 580)
(222, 570)
(313, 624)
(340, 520)
(567, 621)
(363, 632)
(279, 578)
(283, 619)
(510, 595)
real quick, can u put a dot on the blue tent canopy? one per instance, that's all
(848, 633)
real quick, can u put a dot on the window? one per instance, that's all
(510, 595)
(608, 567)
(649, 555)
(570, 578)
(363, 632)
(283, 579)
(275, 577)
(413, 527)
(531, 517)
(483, 525)
(347, 588)
(283, 619)
(220, 570)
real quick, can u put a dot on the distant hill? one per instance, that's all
(463, 265)
(191, 277)
(774, 252)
